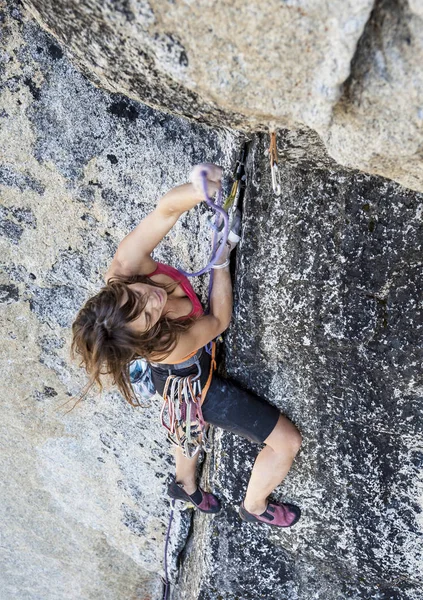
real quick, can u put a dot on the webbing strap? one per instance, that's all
(188, 361)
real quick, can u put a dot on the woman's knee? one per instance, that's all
(285, 437)
(297, 440)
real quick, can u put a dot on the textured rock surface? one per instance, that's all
(335, 267)
(377, 125)
(327, 325)
(350, 70)
(81, 507)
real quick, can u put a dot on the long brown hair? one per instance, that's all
(106, 345)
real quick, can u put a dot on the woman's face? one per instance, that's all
(156, 301)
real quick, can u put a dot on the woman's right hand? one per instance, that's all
(214, 178)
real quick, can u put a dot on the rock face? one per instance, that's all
(327, 326)
(377, 124)
(349, 70)
(81, 503)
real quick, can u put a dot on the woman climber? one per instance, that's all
(149, 310)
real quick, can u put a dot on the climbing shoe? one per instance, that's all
(204, 501)
(276, 515)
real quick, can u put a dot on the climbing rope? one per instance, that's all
(273, 154)
(224, 213)
(181, 413)
(221, 214)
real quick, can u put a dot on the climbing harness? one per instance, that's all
(273, 154)
(185, 423)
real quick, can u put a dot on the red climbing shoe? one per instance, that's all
(277, 515)
(204, 501)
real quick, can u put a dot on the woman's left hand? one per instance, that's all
(214, 178)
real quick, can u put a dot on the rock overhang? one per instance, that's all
(349, 71)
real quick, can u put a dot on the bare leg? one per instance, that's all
(272, 464)
(186, 471)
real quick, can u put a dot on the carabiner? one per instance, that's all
(276, 181)
(231, 202)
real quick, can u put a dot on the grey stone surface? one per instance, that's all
(81, 501)
(377, 124)
(327, 326)
(348, 70)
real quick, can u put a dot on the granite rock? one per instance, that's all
(83, 503)
(349, 71)
(327, 326)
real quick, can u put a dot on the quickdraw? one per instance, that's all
(223, 212)
(232, 201)
(181, 413)
(273, 153)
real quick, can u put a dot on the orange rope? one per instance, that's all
(212, 369)
(178, 362)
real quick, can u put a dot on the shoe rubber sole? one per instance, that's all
(249, 518)
(176, 493)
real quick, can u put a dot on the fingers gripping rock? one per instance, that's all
(214, 177)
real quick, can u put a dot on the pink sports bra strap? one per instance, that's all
(161, 269)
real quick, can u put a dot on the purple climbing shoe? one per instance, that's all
(276, 515)
(204, 501)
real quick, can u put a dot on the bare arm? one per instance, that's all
(133, 254)
(221, 299)
(133, 257)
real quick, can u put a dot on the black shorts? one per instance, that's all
(227, 405)
(230, 407)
